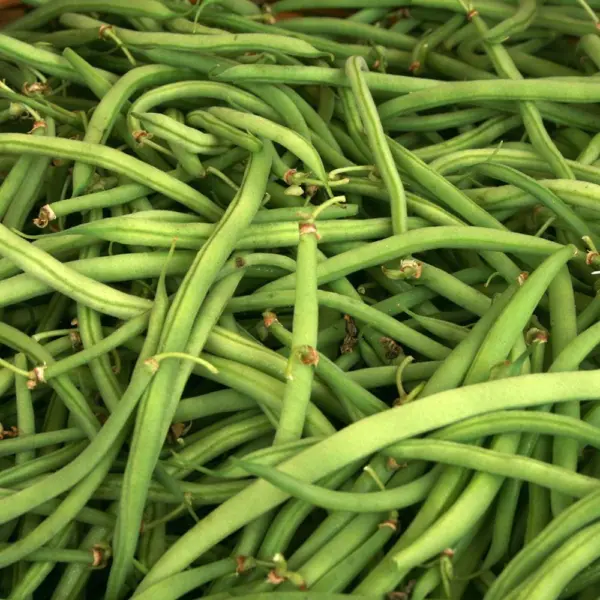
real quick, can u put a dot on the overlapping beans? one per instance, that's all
(298, 300)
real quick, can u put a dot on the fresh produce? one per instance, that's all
(299, 300)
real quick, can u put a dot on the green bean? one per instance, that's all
(455, 199)
(539, 509)
(522, 18)
(176, 337)
(75, 575)
(40, 440)
(104, 268)
(483, 135)
(48, 11)
(527, 392)
(439, 121)
(45, 60)
(176, 586)
(223, 130)
(128, 330)
(532, 119)
(194, 89)
(265, 128)
(486, 460)
(512, 321)
(117, 196)
(580, 91)
(199, 494)
(303, 355)
(192, 140)
(71, 283)
(18, 176)
(294, 513)
(188, 161)
(355, 308)
(68, 393)
(40, 466)
(550, 579)
(25, 410)
(43, 555)
(37, 573)
(589, 315)
(566, 524)
(221, 441)
(377, 143)
(269, 455)
(115, 161)
(536, 422)
(431, 40)
(426, 544)
(449, 332)
(102, 450)
(346, 389)
(345, 571)
(348, 28)
(135, 229)
(313, 120)
(220, 160)
(218, 43)
(393, 57)
(345, 501)
(452, 288)
(311, 75)
(383, 251)
(361, 151)
(344, 535)
(107, 113)
(292, 596)
(90, 333)
(563, 330)
(527, 159)
(99, 85)
(285, 105)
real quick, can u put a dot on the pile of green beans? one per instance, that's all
(300, 300)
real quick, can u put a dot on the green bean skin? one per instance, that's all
(346, 501)
(383, 157)
(300, 299)
(27, 171)
(176, 586)
(495, 348)
(43, 59)
(72, 284)
(175, 338)
(518, 22)
(572, 519)
(563, 330)
(201, 118)
(104, 441)
(304, 339)
(134, 228)
(395, 329)
(114, 160)
(411, 242)
(550, 579)
(263, 127)
(44, 13)
(526, 392)
(41, 440)
(112, 104)
(168, 128)
(505, 89)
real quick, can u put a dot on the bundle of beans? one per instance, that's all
(298, 301)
